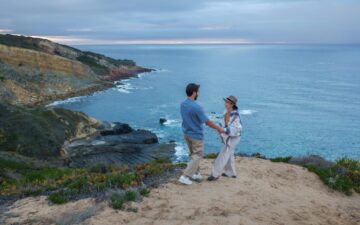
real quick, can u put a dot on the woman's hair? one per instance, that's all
(235, 107)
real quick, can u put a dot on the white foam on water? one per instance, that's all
(124, 86)
(161, 70)
(123, 90)
(247, 112)
(69, 100)
(172, 123)
(180, 151)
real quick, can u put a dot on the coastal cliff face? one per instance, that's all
(73, 139)
(40, 133)
(30, 77)
(35, 71)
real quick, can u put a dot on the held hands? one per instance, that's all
(220, 130)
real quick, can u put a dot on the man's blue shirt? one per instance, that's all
(193, 118)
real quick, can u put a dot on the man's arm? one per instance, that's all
(214, 126)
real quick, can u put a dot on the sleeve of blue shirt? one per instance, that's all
(201, 115)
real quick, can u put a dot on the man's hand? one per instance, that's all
(220, 130)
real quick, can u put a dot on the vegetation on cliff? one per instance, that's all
(34, 70)
(66, 184)
(343, 175)
(38, 132)
(42, 45)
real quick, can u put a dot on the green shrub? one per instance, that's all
(63, 196)
(334, 180)
(348, 164)
(281, 159)
(144, 191)
(211, 156)
(122, 180)
(130, 196)
(117, 201)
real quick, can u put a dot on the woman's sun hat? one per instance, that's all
(232, 99)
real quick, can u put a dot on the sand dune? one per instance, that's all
(264, 193)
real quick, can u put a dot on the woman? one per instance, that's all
(230, 138)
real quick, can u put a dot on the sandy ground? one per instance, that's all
(264, 193)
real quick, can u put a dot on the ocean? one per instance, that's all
(293, 99)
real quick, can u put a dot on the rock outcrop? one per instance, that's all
(35, 71)
(64, 137)
(125, 147)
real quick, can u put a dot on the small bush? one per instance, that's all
(258, 155)
(348, 164)
(130, 196)
(144, 191)
(63, 196)
(281, 159)
(211, 156)
(117, 201)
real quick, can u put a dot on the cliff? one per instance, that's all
(35, 71)
(63, 137)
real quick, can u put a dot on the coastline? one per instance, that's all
(93, 89)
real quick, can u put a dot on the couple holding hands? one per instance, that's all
(193, 118)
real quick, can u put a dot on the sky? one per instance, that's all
(184, 21)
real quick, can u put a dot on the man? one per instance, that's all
(193, 117)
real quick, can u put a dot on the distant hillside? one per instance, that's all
(34, 70)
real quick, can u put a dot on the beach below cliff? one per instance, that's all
(264, 193)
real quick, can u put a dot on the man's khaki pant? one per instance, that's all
(196, 149)
(226, 159)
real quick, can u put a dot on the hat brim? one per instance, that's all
(229, 100)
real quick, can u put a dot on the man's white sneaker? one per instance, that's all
(185, 180)
(197, 177)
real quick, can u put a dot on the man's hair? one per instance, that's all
(190, 88)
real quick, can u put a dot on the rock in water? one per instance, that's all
(116, 129)
(162, 121)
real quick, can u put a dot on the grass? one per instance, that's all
(64, 184)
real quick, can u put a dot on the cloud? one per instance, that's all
(6, 31)
(292, 21)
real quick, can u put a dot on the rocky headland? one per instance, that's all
(38, 71)
(35, 72)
